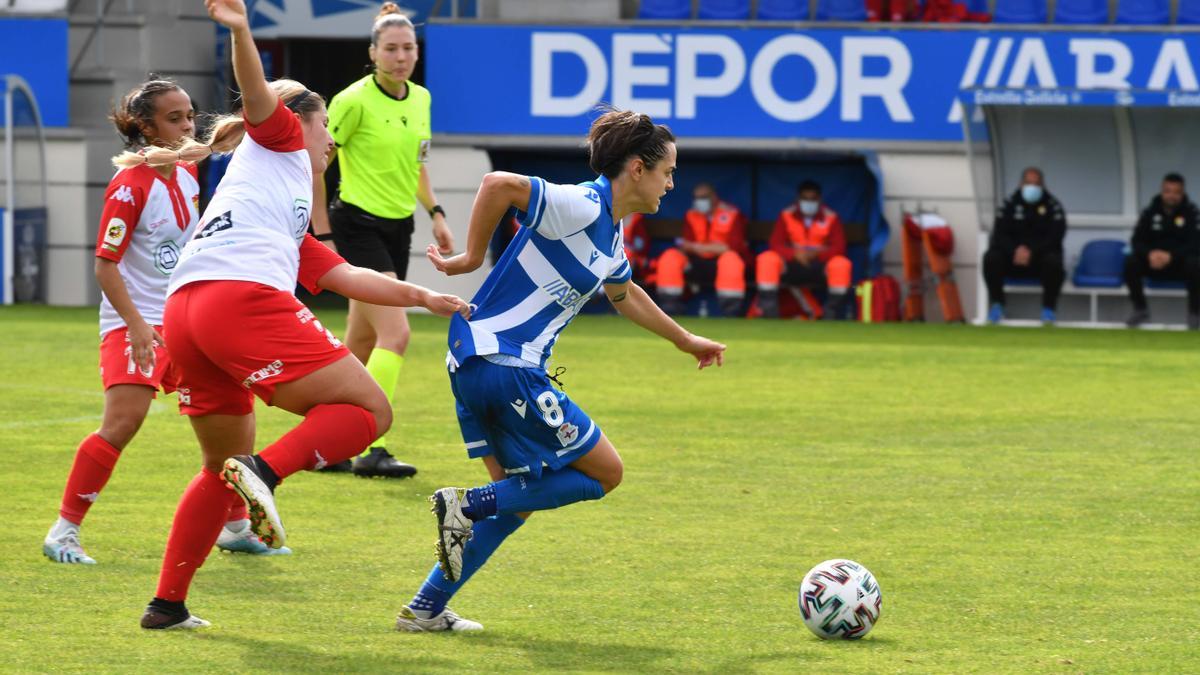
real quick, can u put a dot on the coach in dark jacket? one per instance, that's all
(1027, 243)
(1166, 246)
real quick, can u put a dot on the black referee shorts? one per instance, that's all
(381, 244)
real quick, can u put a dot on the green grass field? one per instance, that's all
(1027, 499)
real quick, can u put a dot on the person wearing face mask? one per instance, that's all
(1027, 243)
(1166, 246)
(711, 252)
(807, 250)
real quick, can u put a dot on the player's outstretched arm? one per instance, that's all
(366, 285)
(258, 101)
(634, 304)
(498, 191)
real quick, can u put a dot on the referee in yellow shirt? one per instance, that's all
(380, 125)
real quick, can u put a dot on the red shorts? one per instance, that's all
(118, 367)
(233, 340)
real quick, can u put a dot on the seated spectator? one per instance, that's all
(711, 253)
(1027, 243)
(1165, 246)
(637, 248)
(807, 250)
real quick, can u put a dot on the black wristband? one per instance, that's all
(324, 236)
(437, 209)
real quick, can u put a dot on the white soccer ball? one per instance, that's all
(840, 600)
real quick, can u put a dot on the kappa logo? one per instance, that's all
(185, 395)
(89, 497)
(123, 194)
(567, 433)
(519, 405)
(270, 370)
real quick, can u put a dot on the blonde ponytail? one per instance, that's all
(225, 132)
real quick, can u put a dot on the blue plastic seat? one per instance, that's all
(1081, 11)
(724, 10)
(1021, 281)
(782, 10)
(1144, 12)
(1188, 12)
(665, 9)
(1101, 264)
(1020, 11)
(841, 10)
(979, 6)
(1163, 285)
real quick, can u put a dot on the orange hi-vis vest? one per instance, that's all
(725, 224)
(824, 230)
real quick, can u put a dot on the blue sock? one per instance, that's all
(554, 489)
(481, 502)
(437, 591)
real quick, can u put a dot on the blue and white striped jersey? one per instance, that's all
(567, 246)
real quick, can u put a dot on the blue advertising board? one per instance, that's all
(36, 49)
(759, 82)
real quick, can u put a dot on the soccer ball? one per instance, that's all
(840, 600)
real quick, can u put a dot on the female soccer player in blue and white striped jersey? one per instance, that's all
(541, 449)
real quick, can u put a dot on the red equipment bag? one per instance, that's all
(878, 299)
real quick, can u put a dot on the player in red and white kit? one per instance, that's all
(149, 214)
(236, 330)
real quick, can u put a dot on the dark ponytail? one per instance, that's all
(136, 109)
(618, 135)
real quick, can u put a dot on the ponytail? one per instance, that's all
(224, 134)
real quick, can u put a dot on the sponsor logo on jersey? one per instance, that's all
(123, 194)
(563, 294)
(567, 433)
(270, 370)
(301, 210)
(166, 257)
(305, 315)
(114, 234)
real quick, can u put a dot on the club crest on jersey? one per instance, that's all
(115, 233)
(563, 294)
(123, 194)
(567, 434)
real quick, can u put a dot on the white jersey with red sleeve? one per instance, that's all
(256, 221)
(146, 222)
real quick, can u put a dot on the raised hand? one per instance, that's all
(228, 13)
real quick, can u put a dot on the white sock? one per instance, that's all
(238, 526)
(61, 528)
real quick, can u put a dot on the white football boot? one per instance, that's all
(454, 530)
(62, 545)
(241, 474)
(407, 621)
(243, 540)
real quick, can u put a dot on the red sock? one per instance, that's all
(198, 520)
(94, 462)
(237, 511)
(329, 433)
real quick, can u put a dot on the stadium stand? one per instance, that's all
(724, 10)
(841, 10)
(1020, 11)
(665, 9)
(1188, 13)
(782, 10)
(1143, 12)
(1081, 12)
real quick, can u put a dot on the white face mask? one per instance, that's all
(809, 207)
(1032, 194)
(702, 204)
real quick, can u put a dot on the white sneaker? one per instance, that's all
(154, 619)
(409, 622)
(64, 547)
(454, 530)
(241, 474)
(244, 540)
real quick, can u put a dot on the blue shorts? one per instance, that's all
(516, 415)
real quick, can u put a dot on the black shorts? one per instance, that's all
(381, 244)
